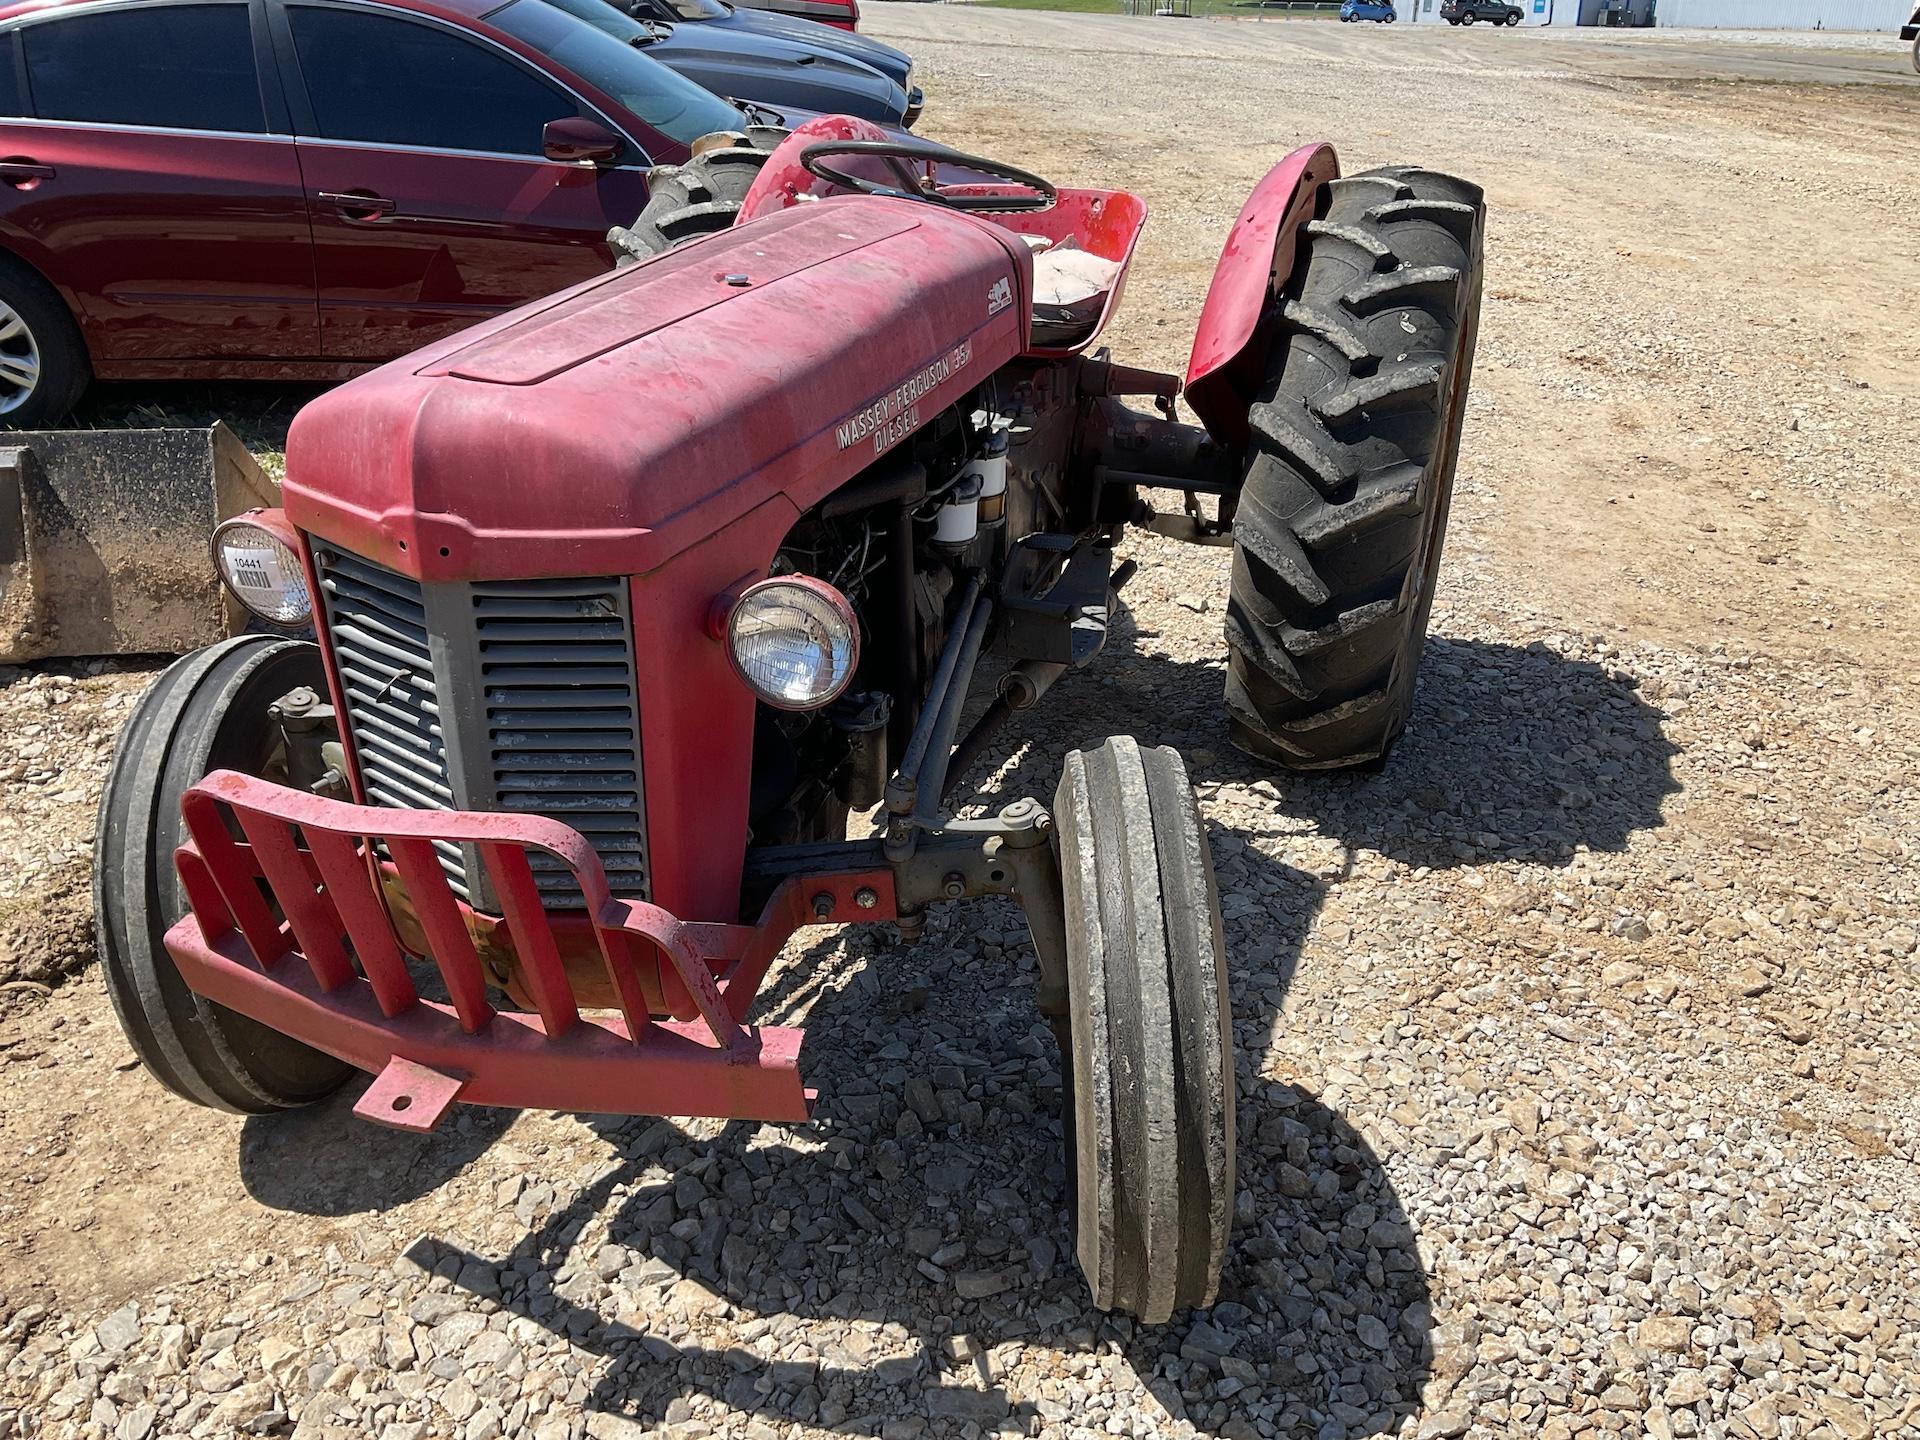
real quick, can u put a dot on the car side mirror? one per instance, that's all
(576, 140)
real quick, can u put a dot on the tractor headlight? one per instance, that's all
(794, 640)
(262, 572)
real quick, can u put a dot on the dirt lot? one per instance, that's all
(1579, 1050)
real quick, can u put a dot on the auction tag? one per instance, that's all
(257, 570)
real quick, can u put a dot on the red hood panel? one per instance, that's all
(605, 429)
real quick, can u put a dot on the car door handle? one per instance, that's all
(24, 173)
(359, 204)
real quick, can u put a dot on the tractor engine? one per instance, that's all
(896, 541)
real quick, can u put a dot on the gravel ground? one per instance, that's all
(1577, 1051)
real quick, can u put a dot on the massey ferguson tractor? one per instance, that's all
(622, 603)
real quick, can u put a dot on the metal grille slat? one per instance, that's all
(377, 626)
(515, 695)
(563, 718)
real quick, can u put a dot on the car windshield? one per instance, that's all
(591, 39)
(701, 9)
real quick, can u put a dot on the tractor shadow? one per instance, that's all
(926, 1214)
(879, 1273)
(1513, 753)
(323, 1160)
(884, 1272)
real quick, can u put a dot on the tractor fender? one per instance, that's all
(1228, 348)
(783, 179)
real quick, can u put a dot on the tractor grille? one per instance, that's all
(495, 695)
(563, 722)
(377, 622)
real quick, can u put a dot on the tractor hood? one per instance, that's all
(610, 427)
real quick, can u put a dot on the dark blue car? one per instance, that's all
(755, 56)
(1352, 10)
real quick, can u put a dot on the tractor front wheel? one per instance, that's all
(206, 712)
(1343, 504)
(1147, 1049)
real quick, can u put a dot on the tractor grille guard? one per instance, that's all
(334, 975)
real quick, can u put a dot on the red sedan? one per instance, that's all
(297, 189)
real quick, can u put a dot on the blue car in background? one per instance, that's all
(1351, 10)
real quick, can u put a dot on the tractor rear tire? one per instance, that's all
(206, 712)
(1148, 1044)
(1355, 432)
(701, 197)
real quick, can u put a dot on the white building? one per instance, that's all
(1549, 12)
(1787, 14)
(1715, 14)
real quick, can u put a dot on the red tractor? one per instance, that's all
(622, 603)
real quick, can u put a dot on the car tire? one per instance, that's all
(1343, 509)
(43, 360)
(1468, 18)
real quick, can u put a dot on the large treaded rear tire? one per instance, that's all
(1148, 1041)
(701, 197)
(206, 711)
(1355, 430)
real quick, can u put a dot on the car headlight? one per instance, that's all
(794, 640)
(261, 571)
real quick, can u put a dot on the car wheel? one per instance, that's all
(43, 360)
(1468, 18)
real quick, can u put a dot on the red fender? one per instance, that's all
(783, 179)
(1228, 348)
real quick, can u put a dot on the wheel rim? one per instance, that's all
(19, 360)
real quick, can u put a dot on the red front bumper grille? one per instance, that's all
(334, 975)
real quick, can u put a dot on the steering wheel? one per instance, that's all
(905, 155)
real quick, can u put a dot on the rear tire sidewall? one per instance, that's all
(1440, 506)
(205, 712)
(56, 341)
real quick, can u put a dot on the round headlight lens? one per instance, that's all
(262, 573)
(795, 641)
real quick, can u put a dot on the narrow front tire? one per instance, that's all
(207, 711)
(1149, 1057)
